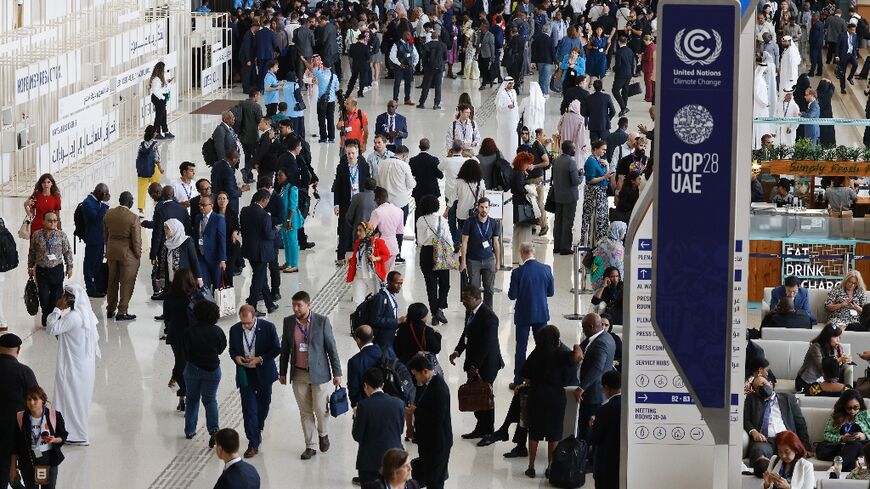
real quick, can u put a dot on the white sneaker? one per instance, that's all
(366, 89)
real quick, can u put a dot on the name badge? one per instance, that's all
(485, 245)
(853, 313)
(200, 241)
(354, 188)
(303, 347)
(36, 452)
(51, 257)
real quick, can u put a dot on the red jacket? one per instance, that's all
(380, 251)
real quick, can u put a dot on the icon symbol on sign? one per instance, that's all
(696, 433)
(678, 433)
(659, 433)
(678, 382)
(642, 432)
(661, 381)
(693, 48)
(642, 380)
(693, 124)
(644, 244)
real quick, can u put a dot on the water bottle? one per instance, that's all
(838, 465)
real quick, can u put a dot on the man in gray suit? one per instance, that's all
(598, 352)
(303, 39)
(224, 136)
(566, 194)
(485, 46)
(362, 204)
(308, 349)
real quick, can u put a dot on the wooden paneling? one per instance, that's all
(863, 266)
(764, 272)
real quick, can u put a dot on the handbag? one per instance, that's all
(225, 298)
(442, 252)
(421, 347)
(24, 230)
(476, 394)
(556, 81)
(634, 89)
(862, 385)
(338, 403)
(550, 203)
(323, 100)
(31, 297)
(525, 213)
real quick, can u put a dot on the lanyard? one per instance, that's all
(305, 329)
(483, 234)
(35, 434)
(186, 191)
(250, 344)
(464, 129)
(847, 428)
(394, 303)
(354, 173)
(49, 242)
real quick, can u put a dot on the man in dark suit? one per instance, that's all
(377, 426)
(791, 289)
(203, 186)
(848, 54)
(303, 39)
(223, 179)
(352, 170)
(433, 61)
(254, 345)
(17, 380)
(424, 168)
(368, 356)
(623, 70)
(94, 207)
(577, 92)
(248, 59)
(606, 431)
(384, 311)
(598, 353)
(761, 424)
(276, 209)
(566, 193)
(237, 473)
(249, 130)
(210, 238)
(599, 111)
(531, 284)
(480, 341)
(432, 427)
(224, 136)
(326, 43)
(267, 44)
(618, 137)
(167, 209)
(258, 247)
(391, 125)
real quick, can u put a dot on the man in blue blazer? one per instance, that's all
(210, 237)
(377, 426)
(254, 345)
(94, 207)
(223, 178)
(368, 356)
(166, 210)
(848, 54)
(237, 473)
(258, 247)
(392, 126)
(623, 69)
(791, 288)
(531, 284)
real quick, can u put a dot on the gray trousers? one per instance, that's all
(482, 269)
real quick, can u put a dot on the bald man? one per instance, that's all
(598, 351)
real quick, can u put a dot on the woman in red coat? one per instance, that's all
(45, 198)
(367, 268)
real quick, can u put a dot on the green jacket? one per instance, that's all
(862, 419)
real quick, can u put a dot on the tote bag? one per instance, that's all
(225, 298)
(442, 251)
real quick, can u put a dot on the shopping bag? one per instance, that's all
(225, 298)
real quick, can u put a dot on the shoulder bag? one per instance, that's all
(323, 100)
(24, 230)
(476, 394)
(421, 347)
(443, 256)
(225, 297)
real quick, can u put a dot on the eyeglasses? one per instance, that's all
(853, 407)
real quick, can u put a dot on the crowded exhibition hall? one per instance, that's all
(383, 243)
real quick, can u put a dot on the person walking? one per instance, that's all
(185, 188)
(94, 207)
(177, 305)
(395, 176)
(378, 425)
(308, 351)
(352, 170)
(159, 88)
(203, 344)
(45, 198)
(254, 345)
(481, 250)
(432, 228)
(289, 194)
(237, 473)
(531, 284)
(149, 155)
(389, 222)
(249, 134)
(49, 250)
(623, 70)
(123, 237)
(433, 431)
(18, 379)
(210, 236)
(847, 55)
(566, 194)
(327, 85)
(259, 248)
(74, 324)
(599, 111)
(479, 341)
(484, 46)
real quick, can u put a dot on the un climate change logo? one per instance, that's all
(692, 47)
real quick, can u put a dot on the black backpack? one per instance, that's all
(502, 173)
(398, 381)
(209, 153)
(360, 316)
(8, 250)
(568, 469)
(79, 222)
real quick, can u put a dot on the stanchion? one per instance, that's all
(576, 316)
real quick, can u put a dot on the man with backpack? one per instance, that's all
(88, 218)
(148, 167)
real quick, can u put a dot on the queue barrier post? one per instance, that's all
(579, 282)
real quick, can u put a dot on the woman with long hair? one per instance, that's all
(784, 315)
(825, 345)
(596, 65)
(846, 430)
(177, 320)
(596, 218)
(487, 156)
(159, 87)
(366, 267)
(432, 227)
(203, 344)
(470, 187)
(234, 247)
(45, 198)
(414, 335)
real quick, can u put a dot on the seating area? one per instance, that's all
(786, 358)
(817, 304)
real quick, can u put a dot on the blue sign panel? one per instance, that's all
(694, 208)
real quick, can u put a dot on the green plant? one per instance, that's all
(759, 155)
(803, 150)
(854, 153)
(842, 153)
(865, 153)
(784, 152)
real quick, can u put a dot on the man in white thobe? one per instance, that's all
(789, 64)
(786, 133)
(767, 59)
(74, 324)
(508, 113)
(761, 104)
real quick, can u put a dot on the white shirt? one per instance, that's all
(157, 88)
(231, 462)
(450, 168)
(467, 195)
(249, 337)
(184, 191)
(395, 176)
(591, 339)
(775, 425)
(467, 132)
(427, 226)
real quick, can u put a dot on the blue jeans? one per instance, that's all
(201, 384)
(256, 400)
(522, 345)
(544, 71)
(93, 259)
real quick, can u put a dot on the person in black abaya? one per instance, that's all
(825, 92)
(800, 90)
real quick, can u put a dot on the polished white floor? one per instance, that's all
(136, 434)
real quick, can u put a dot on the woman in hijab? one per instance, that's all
(74, 324)
(533, 108)
(178, 252)
(572, 127)
(609, 252)
(824, 93)
(470, 69)
(367, 268)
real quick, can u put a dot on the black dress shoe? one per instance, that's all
(355, 481)
(157, 297)
(518, 451)
(512, 386)
(473, 435)
(492, 438)
(96, 295)
(421, 106)
(272, 308)
(399, 259)
(437, 107)
(276, 296)
(851, 81)
(566, 252)
(259, 314)
(843, 91)
(211, 440)
(158, 318)
(180, 406)
(125, 317)
(308, 246)
(110, 315)
(530, 473)
(440, 316)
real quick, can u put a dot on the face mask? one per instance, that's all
(765, 391)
